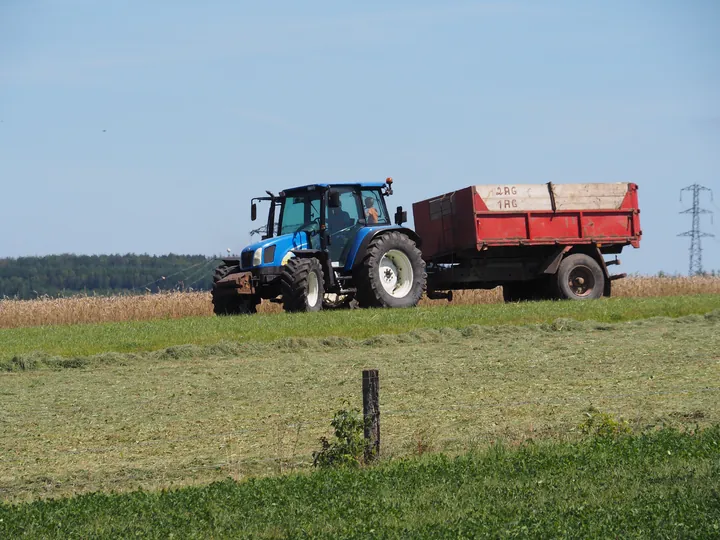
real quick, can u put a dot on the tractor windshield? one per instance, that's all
(300, 212)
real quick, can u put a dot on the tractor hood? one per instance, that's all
(273, 251)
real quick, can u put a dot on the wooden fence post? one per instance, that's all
(371, 412)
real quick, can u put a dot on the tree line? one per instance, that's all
(55, 275)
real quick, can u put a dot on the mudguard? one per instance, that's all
(366, 235)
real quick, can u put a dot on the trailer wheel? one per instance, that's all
(522, 291)
(580, 278)
(302, 285)
(392, 273)
(514, 292)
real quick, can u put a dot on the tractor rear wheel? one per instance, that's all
(580, 278)
(302, 285)
(392, 273)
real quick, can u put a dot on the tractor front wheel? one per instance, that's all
(302, 285)
(235, 305)
(392, 273)
(228, 304)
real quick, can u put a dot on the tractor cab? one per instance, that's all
(332, 215)
(325, 217)
(316, 243)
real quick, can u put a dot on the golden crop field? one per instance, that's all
(95, 309)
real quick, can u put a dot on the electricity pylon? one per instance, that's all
(695, 233)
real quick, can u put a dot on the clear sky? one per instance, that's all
(146, 127)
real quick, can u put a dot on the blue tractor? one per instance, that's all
(326, 246)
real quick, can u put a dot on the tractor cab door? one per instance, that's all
(343, 222)
(300, 216)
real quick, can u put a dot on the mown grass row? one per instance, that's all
(664, 484)
(96, 309)
(84, 340)
(190, 414)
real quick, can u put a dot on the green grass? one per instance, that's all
(664, 484)
(83, 340)
(198, 414)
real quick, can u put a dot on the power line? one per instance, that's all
(695, 233)
(165, 278)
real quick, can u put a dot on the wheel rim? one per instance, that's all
(581, 281)
(313, 289)
(396, 273)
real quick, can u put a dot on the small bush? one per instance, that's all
(348, 449)
(603, 425)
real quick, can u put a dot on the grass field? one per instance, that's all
(138, 336)
(452, 379)
(181, 403)
(95, 309)
(661, 485)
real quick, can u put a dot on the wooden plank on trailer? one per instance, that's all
(515, 197)
(536, 197)
(589, 196)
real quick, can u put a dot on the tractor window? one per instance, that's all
(374, 208)
(347, 214)
(300, 213)
(343, 223)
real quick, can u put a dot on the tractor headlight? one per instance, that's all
(257, 257)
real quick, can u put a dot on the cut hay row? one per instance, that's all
(96, 309)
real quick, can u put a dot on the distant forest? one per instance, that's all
(30, 277)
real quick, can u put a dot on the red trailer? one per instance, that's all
(536, 240)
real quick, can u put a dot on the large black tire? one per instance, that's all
(223, 270)
(523, 291)
(580, 277)
(232, 305)
(235, 305)
(302, 285)
(515, 292)
(392, 273)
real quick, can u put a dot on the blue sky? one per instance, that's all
(147, 126)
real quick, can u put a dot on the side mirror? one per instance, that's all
(334, 199)
(400, 216)
(253, 211)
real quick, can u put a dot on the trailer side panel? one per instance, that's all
(482, 216)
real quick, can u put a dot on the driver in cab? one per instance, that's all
(338, 219)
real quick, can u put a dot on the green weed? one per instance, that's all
(349, 446)
(604, 425)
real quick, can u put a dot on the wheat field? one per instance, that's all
(174, 305)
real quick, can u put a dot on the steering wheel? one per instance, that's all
(308, 226)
